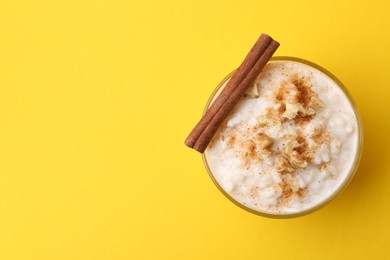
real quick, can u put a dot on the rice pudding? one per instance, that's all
(290, 144)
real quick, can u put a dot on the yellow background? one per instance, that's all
(97, 97)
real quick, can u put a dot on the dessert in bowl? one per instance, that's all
(291, 143)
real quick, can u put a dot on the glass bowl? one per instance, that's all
(347, 179)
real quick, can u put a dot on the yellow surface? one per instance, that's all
(97, 97)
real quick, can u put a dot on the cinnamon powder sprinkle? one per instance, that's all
(304, 94)
(301, 120)
(287, 187)
(301, 192)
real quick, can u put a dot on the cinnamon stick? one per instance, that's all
(257, 50)
(208, 133)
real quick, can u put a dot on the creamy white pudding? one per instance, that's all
(289, 144)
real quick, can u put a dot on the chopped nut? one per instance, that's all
(295, 158)
(284, 166)
(316, 101)
(252, 91)
(267, 121)
(291, 146)
(292, 111)
(264, 141)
